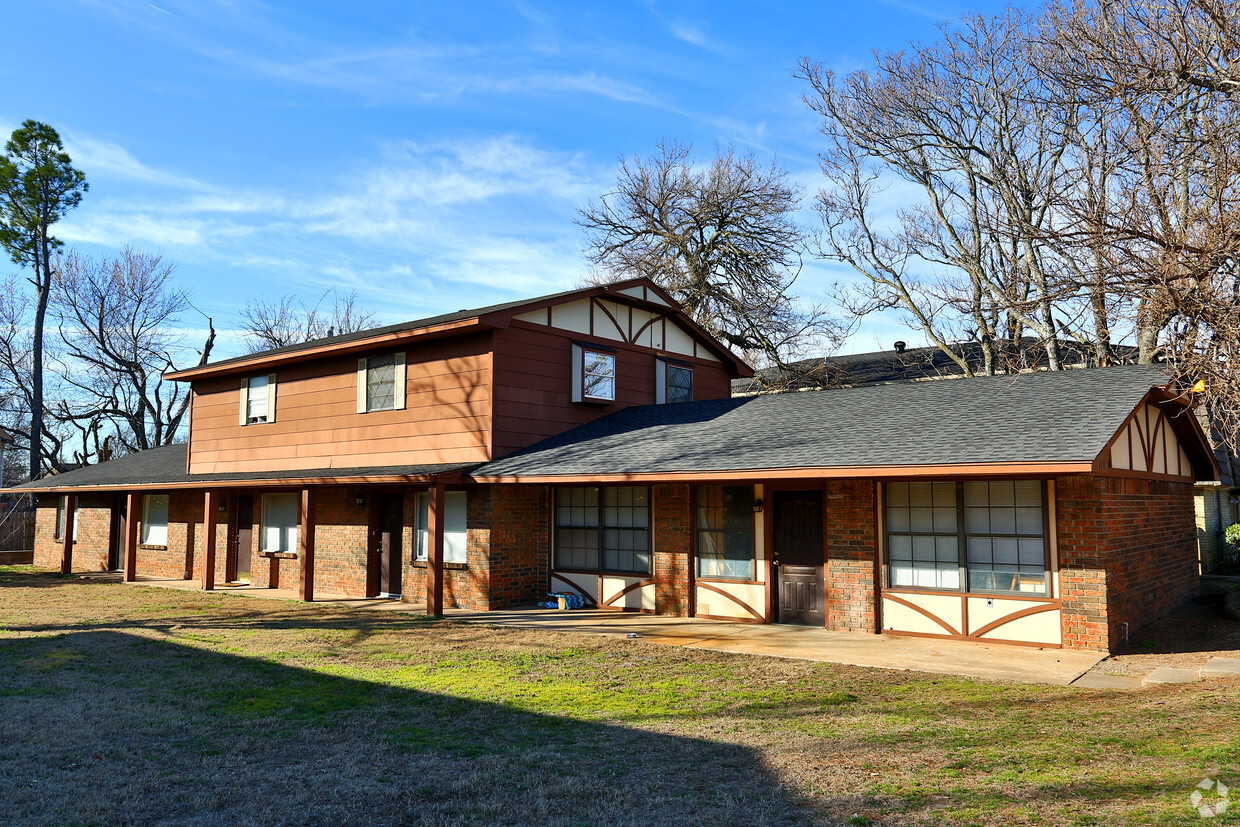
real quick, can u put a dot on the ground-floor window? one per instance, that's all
(725, 546)
(280, 522)
(155, 520)
(980, 535)
(603, 529)
(62, 505)
(455, 537)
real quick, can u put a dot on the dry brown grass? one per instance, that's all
(138, 705)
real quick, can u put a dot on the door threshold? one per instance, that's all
(388, 596)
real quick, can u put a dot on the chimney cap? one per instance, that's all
(900, 347)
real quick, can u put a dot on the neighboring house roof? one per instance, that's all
(910, 364)
(5, 438)
(1064, 418)
(165, 468)
(481, 317)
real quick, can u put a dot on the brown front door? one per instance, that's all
(245, 537)
(391, 527)
(116, 541)
(798, 557)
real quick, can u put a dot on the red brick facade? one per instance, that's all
(850, 555)
(1127, 554)
(1126, 549)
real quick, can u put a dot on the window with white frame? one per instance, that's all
(455, 536)
(986, 536)
(155, 520)
(258, 399)
(279, 523)
(381, 383)
(603, 529)
(594, 373)
(673, 382)
(725, 529)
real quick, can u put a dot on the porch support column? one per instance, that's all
(66, 554)
(305, 544)
(132, 501)
(210, 503)
(434, 550)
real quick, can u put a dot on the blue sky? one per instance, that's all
(429, 155)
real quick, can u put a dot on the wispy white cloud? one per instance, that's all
(928, 11)
(96, 157)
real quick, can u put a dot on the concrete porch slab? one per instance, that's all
(1097, 680)
(1021, 664)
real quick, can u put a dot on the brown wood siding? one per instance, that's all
(447, 415)
(533, 383)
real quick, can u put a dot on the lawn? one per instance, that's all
(139, 705)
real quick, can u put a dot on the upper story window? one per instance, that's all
(258, 399)
(977, 536)
(594, 373)
(673, 382)
(381, 383)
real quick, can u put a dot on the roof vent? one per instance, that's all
(900, 347)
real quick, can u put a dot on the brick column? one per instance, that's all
(851, 549)
(670, 543)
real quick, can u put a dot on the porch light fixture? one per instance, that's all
(757, 506)
(361, 500)
(223, 506)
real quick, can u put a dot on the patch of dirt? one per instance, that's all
(1185, 639)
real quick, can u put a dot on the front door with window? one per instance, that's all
(799, 555)
(391, 527)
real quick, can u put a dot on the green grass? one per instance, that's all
(128, 704)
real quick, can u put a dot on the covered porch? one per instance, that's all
(949, 657)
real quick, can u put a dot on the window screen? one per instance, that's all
(381, 383)
(679, 384)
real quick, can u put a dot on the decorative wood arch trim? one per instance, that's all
(731, 597)
(594, 302)
(908, 604)
(653, 318)
(649, 581)
(1017, 615)
(575, 588)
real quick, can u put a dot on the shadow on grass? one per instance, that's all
(107, 727)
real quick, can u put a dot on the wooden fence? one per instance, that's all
(17, 524)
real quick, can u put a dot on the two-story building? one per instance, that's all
(587, 442)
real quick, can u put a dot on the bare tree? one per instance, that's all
(120, 324)
(1160, 80)
(291, 321)
(963, 121)
(722, 239)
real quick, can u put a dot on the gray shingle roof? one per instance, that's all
(166, 466)
(1065, 416)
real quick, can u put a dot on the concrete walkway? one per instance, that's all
(1008, 663)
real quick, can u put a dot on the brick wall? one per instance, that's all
(1127, 553)
(340, 543)
(93, 532)
(850, 555)
(673, 527)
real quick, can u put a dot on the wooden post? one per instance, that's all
(210, 501)
(66, 554)
(434, 550)
(132, 502)
(305, 544)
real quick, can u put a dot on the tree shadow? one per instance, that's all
(109, 727)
